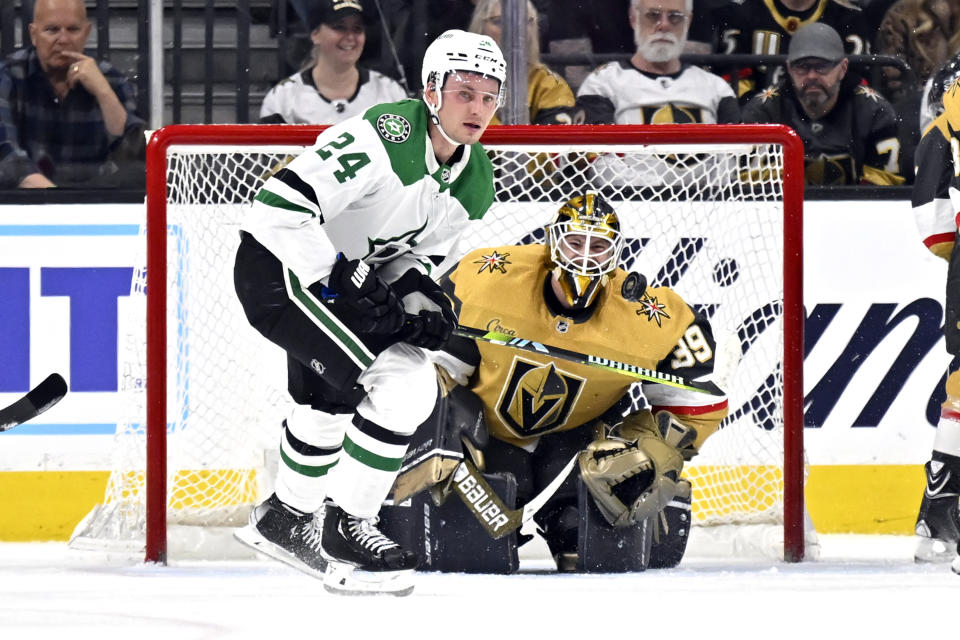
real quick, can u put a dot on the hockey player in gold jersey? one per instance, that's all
(936, 199)
(540, 410)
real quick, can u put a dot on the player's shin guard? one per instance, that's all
(309, 448)
(367, 468)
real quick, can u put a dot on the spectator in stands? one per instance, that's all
(334, 87)
(549, 97)
(65, 118)
(765, 27)
(849, 131)
(654, 87)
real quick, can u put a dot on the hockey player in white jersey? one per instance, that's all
(334, 266)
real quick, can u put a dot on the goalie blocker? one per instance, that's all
(448, 536)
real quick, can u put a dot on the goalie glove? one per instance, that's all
(632, 480)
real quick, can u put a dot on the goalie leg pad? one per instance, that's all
(448, 538)
(673, 530)
(603, 548)
(455, 427)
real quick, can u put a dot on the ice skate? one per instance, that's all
(361, 560)
(938, 523)
(285, 534)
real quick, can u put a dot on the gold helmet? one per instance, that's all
(951, 105)
(585, 244)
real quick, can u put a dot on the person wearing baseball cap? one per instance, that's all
(849, 131)
(333, 86)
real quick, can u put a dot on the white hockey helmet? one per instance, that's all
(457, 50)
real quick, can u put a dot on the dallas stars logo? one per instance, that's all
(654, 309)
(493, 262)
(383, 249)
(393, 128)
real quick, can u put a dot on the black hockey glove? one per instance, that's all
(362, 298)
(430, 318)
(427, 329)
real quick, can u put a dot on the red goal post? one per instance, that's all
(542, 139)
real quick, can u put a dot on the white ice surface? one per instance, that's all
(861, 587)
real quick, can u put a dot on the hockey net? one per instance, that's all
(706, 210)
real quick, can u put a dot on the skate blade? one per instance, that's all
(934, 551)
(249, 536)
(345, 579)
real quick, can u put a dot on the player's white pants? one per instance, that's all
(355, 461)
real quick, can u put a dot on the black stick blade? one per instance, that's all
(39, 399)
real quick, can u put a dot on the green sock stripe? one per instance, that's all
(370, 458)
(308, 470)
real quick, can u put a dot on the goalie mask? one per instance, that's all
(585, 243)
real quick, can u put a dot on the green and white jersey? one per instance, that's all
(370, 187)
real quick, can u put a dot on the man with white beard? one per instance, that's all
(654, 87)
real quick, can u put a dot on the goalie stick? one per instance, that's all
(630, 370)
(39, 399)
(481, 500)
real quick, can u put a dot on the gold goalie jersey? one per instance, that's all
(527, 395)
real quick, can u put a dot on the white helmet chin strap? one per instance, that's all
(435, 114)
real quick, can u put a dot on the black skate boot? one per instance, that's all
(281, 532)
(361, 559)
(938, 523)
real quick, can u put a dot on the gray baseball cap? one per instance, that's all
(817, 40)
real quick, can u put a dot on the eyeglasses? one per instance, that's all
(654, 16)
(467, 96)
(497, 21)
(821, 68)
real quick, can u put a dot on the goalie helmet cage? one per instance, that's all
(764, 162)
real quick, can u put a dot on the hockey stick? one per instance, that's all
(39, 399)
(481, 500)
(623, 368)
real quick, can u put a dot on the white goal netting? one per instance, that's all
(706, 220)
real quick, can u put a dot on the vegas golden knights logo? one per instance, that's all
(537, 398)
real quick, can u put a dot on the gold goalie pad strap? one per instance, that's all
(495, 517)
(424, 473)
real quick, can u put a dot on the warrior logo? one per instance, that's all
(537, 398)
(493, 262)
(393, 128)
(317, 366)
